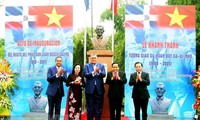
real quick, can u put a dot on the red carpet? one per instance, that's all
(84, 117)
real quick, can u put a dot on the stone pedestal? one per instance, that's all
(104, 57)
(160, 117)
(35, 116)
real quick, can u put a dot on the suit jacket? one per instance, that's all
(92, 79)
(140, 90)
(160, 108)
(55, 83)
(116, 87)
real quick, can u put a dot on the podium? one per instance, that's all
(160, 117)
(35, 116)
(104, 57)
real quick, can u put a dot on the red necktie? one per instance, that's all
(115, 75)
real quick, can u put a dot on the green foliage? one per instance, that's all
(119, 36)
(197, 3)
(2, 51)
(78, 48)
(78, 54)
(118, 18)
(198, 33)
(119, 50)
(182, 2)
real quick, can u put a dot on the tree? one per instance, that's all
(192, 2)
(78, 53)
(119, 36)
(2, 51)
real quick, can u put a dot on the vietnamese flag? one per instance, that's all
(52, 16)
(175, 16)
(115, 6)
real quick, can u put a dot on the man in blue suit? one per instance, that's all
(94, 90)
(56, 75)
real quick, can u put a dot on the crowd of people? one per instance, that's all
(94, 73)
(91, 79)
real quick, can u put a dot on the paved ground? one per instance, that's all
(61, 118)
(43, 116)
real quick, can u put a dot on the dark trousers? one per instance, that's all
(115, 107)
(94, 104)
(54, 105)
(140, 103)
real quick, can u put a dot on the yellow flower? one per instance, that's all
(7, 84)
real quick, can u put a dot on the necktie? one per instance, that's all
(58, 68)
(139, 74)
(115, 74)
(95, 66)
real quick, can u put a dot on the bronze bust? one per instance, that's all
(99, 42)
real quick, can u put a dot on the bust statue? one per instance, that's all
(160, 104)
(37, 103)
(100, 41)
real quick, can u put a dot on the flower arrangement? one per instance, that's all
(8, 83)
(196, 83)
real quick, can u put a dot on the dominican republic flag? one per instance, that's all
(23, 17)
(139, 16)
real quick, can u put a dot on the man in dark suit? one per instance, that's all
(94, 90)
(140, 94)
(116, 80)
(56, 75)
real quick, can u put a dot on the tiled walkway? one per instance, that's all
(123, 118)
(43, 116)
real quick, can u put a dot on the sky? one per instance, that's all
(80, 16)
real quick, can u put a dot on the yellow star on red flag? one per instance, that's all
(176, 18)
(54, 17)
